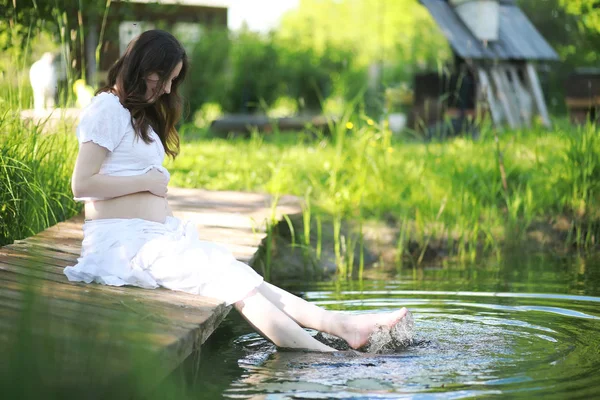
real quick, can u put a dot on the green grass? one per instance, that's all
(450, 190)
(35, 178)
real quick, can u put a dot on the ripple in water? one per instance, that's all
(453, 347)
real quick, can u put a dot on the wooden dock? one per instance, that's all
(166, 326)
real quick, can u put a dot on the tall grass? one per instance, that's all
(35, 176)
(581, 185)
(471, 195)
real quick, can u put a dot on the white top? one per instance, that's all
(107, 123)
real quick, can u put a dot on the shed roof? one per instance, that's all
(518, 39)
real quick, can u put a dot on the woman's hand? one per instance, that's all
(157, 182)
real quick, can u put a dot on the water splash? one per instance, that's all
(389, 340)
(383, 340)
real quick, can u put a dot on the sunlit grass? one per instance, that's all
(450, 190)
(35, 178)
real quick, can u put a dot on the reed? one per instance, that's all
(35, 179)
(474, 195)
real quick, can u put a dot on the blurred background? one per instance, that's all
(276, 58)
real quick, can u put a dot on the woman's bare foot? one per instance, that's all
(356, 328)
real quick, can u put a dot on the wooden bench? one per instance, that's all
(162, 326)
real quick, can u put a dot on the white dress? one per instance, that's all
(145, 253)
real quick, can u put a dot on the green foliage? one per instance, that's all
(308, 77)
(451, 189)
(35, 179)
(373, 29)
(322, 50)
(572, 28)
(246, 72)
(207, 81)
(255, 72)
(588, 12)
(29, 28)
(581, 183)
(391, 38)
(569, 27)
(15, 90)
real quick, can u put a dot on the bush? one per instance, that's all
(207, 79)
(256, 73)
(308, 77)
(248, 72)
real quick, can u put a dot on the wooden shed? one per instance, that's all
(126, 19)
(583, 95)
(495, 48)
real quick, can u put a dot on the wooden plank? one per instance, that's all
(503, 96)
(509, 92)
(584, 103)
(159, 297)
(28, 251)
(513, 101)
(524, 101)
(229, 235)
(160, 312)
(30, 272)
(60, 246)
(26, 260)
(487, 89)
(538, 96)
(152, 332)
(102, 312)
(167, 319)
(50, 281)
(183, 329)
(42, 284)
(75, 234)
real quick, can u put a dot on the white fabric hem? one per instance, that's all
(148, 254)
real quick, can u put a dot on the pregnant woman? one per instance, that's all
(130, 234)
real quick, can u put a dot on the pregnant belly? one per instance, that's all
(142, 205)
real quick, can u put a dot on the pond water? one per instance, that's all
(524, 327)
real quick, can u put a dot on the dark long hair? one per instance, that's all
(152, 51)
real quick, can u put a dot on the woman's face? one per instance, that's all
(153, 91)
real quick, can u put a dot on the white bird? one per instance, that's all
(42, 76)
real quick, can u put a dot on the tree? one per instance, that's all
(385, 42)
(572, 27)
(587, 10)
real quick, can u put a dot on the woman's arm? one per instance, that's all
(87, 182)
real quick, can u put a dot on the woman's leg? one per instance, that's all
(275, 325)
(353, 328)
